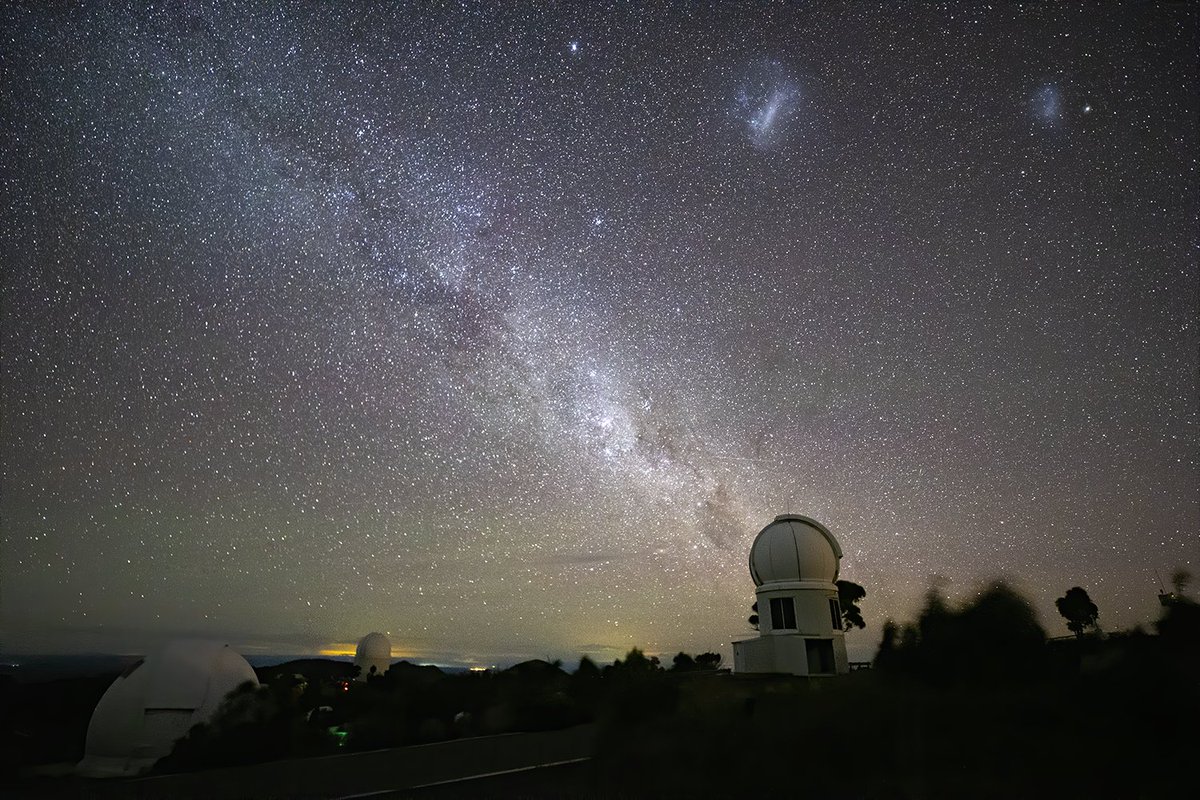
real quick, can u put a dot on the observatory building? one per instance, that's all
(373, 655)
(156, 702)
(794, 564)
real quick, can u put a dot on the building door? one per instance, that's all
(820, 657)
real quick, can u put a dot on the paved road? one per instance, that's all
(572, 780)
(381, 773)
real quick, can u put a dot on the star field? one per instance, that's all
(504, 329)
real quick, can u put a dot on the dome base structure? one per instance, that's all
(794, 563)
(808, 656)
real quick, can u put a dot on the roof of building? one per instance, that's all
(794, 548)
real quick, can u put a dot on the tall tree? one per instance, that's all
(849, 594)
(1078, 610)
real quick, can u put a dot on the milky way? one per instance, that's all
(504, 329)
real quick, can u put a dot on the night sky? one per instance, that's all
(503, 330)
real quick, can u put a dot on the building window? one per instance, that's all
(835, 613)
(783, 613)
(820, 657)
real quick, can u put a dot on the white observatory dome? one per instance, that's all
(374, 651)
(794, 548)
(156, 702)
(373, 646)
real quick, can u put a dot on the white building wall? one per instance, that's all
(786, 654)
(811, 604)
(786, 650)
(812, 612)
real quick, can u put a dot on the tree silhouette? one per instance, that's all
(753, 620)
(1078, 610)
(887, 656)
(703, 662)
(635, 663)
(993, 635)
(586, 685)
(683, 663)
(849, 594)
(1180, 622)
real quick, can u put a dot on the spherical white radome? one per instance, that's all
(794, 548)
(373, 647)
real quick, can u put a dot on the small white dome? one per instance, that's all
(156, 702)
(374, 646)
(794, 548)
